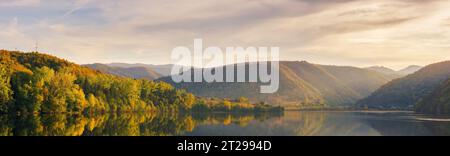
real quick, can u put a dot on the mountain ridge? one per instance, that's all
(163, 70)
(302, 84)
(396, 73)
(405, 92)
(138, 72)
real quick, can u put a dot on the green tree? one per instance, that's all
(28, 92)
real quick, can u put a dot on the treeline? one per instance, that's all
(39, 83)
(226, 105)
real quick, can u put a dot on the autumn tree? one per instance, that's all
(227, 104)
(5, 88)
(61, 94)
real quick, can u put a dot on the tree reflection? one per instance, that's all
(116, 124)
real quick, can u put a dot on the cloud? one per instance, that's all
(18, 3)
(12, 36)
(393, 33)
(77, 5)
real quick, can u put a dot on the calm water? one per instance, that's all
(290, 123)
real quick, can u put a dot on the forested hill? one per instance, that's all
(436, 103)
(405, 92)
(40, 83)
(302, 84)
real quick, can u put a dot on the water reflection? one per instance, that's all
(125, 124)
(333, 124)
(222, 124)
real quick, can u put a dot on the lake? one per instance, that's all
(289, 123)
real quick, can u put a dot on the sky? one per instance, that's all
(391, 33)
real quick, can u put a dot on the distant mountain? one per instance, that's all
(396, 74)
(404, 93)
(163, 70)
(302, 84)
(139, 72)
(437, 102)
(387, 71)
(410, 69)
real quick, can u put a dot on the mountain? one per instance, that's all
(387, 71)
(410, 69)
(302, 84)
(437, 102)
(404, 93)
(163, 70)
(138, 72)
(396, 74)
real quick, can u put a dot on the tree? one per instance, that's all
(227, 104)
(243, 100)
(62, 94)
(190, 100)
(187, 100)
(28, 92)
(5, 88)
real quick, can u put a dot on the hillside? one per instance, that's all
(404, 93)
(141, 72)
(40, 83)
(302, 84)
(437, 102)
